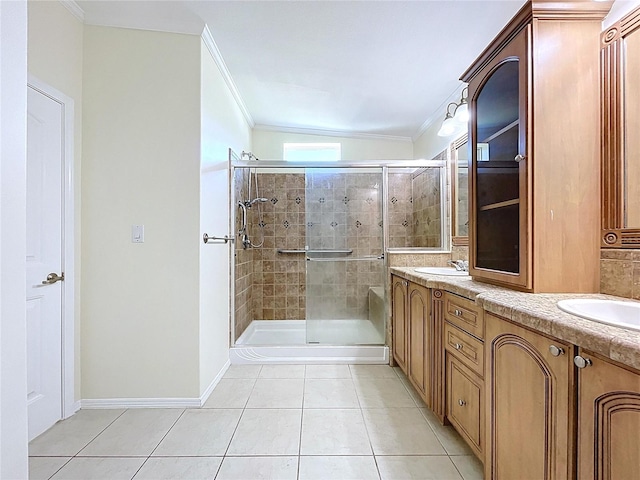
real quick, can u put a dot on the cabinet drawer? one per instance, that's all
(464, 314)
(465, 397)
(462, 345)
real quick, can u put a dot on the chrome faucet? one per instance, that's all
(459, 265)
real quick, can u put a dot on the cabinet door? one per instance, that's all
(419, 364)
(399, 320)
(499, 180)
(464, 403)
(530, 404)
(608, 421)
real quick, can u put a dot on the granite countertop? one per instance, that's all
(539, 311)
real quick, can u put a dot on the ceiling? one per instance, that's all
(356, 67)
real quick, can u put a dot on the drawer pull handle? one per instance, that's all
(458, 312)
(458, 346)
(556, 351)
(461, 402)
(582, 362)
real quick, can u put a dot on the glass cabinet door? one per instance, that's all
(499, 176)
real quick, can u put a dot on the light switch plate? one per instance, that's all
(137, 233)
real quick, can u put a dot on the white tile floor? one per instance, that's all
(266, 422)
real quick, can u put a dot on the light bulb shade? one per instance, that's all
(448, 127)
(462, 113)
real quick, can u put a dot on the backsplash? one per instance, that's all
(620, 272)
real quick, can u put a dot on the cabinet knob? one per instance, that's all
(582, 362)
(458, 346)
(518, 158)
(556, 351)
(457, 312)
(461, 402)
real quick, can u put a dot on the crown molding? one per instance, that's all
(331, 133)
(437, 115)
(210, 43)
(74, 8)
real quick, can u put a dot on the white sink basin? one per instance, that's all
(613, 312)
(442, 271)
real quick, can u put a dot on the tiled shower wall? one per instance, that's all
(243, 263)
(279, 278)
(415, 209)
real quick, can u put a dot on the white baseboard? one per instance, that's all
(205, 395)
(96, 403)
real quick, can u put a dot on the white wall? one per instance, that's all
(141, 165)
(13, 350)
(222, 127)
(55, 57)
(619, 9)
(267, 145)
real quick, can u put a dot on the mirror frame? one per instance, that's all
(612, 156)
(457, 241)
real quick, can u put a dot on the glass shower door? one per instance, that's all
(344, 257)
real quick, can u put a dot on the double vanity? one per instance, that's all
(536, 392)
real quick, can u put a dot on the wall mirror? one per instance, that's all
(460, 191)
(620, 90)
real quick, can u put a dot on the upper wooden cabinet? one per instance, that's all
(534, 149)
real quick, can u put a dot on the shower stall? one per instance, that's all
(309, 267)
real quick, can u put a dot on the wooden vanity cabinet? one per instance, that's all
(530, 388)
(412, 335)
(464, 370)
(608, 420)
(536, 228)
(399, 320)
(419, 339)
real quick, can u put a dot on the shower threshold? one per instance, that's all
(284, 341)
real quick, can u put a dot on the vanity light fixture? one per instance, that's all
(449, 124)
(452, 123)
(462, 110)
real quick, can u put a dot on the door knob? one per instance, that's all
(519, 158)
(461, 402)
(53, 278)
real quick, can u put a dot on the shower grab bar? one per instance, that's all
(348, 252)
(357, 259)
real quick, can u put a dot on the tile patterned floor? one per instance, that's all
(322, 422)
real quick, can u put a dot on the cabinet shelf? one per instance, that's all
(493, 206)
(515, 123)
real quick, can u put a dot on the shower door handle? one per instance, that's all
(226, 239)
(346, 259)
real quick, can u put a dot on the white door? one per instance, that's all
(44, 261)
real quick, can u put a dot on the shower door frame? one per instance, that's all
(236, 163)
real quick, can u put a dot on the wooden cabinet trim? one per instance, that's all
(614, 233)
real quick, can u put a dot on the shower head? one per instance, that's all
(261, 200)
